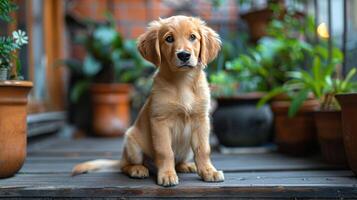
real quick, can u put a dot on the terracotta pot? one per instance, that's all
(295, 135)
(111, 108)
(13, 112)
(257, 22)
(329, 132)
(348, 104)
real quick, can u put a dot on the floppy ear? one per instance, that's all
(210, 44)
(148, 44)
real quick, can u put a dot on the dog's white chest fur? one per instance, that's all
(187, 100)
(182, 126)
(181, 139)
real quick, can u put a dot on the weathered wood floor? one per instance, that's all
(46, 174)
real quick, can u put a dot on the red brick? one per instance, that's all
(136, 31)
(130, 14)
(101, 10)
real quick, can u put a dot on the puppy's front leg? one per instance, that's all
(164, 156)
(201, 150)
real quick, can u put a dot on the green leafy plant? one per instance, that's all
(263, 67)
(10, 44)
(318, 80)
(222, 79)
(107, 52)
(223, 84)
(286, 47)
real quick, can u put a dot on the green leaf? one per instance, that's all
(337, 55)
(91, 66)
(297, 101)
(79, 89)
(350, 74)
(347, 80)
(270, 95)
(316, 68)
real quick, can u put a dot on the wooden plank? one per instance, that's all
(60, 155)
(261, 192)
(80, 145)
(229, 164)
(46, 173)
(267, 185)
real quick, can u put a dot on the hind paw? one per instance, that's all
(186, 167)
(137, 171)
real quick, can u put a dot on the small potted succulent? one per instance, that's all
(13, 98)
(106, 74)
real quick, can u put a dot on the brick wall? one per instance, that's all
(132, 16)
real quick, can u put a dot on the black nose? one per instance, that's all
(183, 56)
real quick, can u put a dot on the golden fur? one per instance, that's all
(174, 122)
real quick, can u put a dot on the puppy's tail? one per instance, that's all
(102, 165)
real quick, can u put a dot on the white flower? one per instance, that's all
(20, 37)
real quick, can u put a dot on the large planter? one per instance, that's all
(348, 104)
(329, 131)
(237, 122)
(295, 135)
(13, 125)
(111, 109)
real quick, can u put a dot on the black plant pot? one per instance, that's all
(237, 121)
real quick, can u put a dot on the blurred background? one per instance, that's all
(87, 73)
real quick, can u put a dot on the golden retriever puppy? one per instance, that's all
(174, 122)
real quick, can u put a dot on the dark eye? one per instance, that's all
(169, 39)
(192, 37)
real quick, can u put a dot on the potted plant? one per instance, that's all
(319, 81)
(13, 98)
(262, 68)
(286, 48)
(272, 58)
(259, 19)
(349, 116)
(237, 122)
(329, 123)
(316, 82)
(107, 72)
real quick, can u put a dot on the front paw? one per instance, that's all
(167, 178)
(212, 175)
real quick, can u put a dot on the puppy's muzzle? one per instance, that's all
(184, 56)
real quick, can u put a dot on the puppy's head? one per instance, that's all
(179, 42)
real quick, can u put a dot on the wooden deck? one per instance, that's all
(46, 174)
